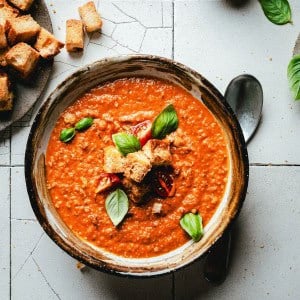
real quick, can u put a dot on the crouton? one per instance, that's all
(22, 4)
(90, 17)
(3, 52)
(22, 29)
(6, 95)
(74, 35)
(47, 44)
(113, 160)
(158, 152)
(7, 13)
(136, 192)
(3, 41)
(22, 58)
(3, 22)
(137, 165)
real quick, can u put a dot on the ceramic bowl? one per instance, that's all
(98, 73)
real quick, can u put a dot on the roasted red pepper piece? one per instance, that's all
(142, 131)
(163, 183)
(107, 181)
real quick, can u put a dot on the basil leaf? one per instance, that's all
(293, 73)
(116, 205)
(84, 123)
(165, 123)
(126, 143)
(277, 11)
(192, 224)
(67, 134)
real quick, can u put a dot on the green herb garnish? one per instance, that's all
(67, 134)
(84, 123)
(126, 142)
(117, 205)
(293, 73)
(165, 123)
(192, 224)
(277, 11)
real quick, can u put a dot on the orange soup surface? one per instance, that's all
(199, 157)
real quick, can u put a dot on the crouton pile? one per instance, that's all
(23, 42)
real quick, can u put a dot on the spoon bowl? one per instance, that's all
(245, 96)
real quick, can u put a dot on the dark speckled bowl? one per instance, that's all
(107, 70)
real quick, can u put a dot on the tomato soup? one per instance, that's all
(198, 157)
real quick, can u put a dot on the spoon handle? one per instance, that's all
(217, 260)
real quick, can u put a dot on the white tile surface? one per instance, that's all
(221, 41)
(30, 284)
(20, 204)
(158, 41)
(90, 284)
(4, 233)
(18, 144)
(25, 237)
(5, 148)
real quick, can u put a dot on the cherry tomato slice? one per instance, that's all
(142, 131)
(107, 181)
(163, 183)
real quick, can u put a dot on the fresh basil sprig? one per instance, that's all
(277, 11)
(165, 123)
(84, 123)
(126, 142)
(192, 224)
(293, 73)
(116, 205)
(67, 134)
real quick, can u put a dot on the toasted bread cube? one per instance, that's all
(22, 58)
(158, 151)
(47, 44)
(22, 29)
(136, 192)
(137, 165)
(3, 62)
(3, 41)
(90, 17)
(7, 13)
(113, 160)
(3, 22)
(6, 95)
(74, 35)
(22, 4)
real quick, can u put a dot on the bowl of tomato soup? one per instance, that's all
(136, 165)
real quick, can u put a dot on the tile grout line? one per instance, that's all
(173, 30)
(272, 165)
(11, 166)
(10, 183)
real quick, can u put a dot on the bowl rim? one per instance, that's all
(29, 166)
